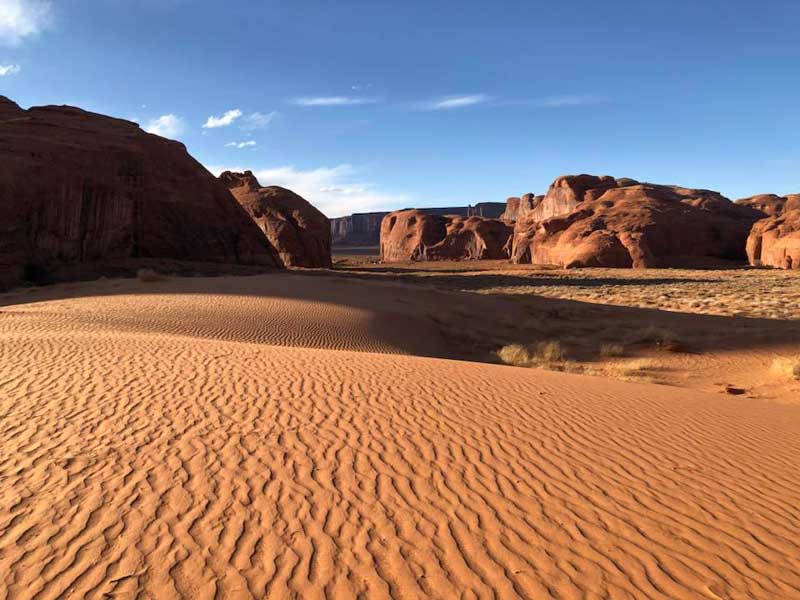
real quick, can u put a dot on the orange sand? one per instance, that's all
(270, 439)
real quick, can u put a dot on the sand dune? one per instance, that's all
(269, 442)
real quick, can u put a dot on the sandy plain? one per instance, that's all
(345, 434)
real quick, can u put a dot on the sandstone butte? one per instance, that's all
(413, 235)
(775, 240)
(589, 221)
(299, 232)
(79, 188)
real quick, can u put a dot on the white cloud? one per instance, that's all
(227, 119)
(451, 102)
(20, 19)
(569, 100)
(336, 191)
(258, 120)
(240, 145)
(6, 70)
(168, 126)
(334, 101)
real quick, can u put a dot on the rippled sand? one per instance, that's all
(275, 437)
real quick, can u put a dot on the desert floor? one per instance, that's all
(344, 434)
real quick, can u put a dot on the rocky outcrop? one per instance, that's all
(518, 205)
(587, 221)
(487, 210)
(78, 187)
(512, 207)
(299, 232)
(359, 229)
(413, 235)
(775, 240)
(364, 229)
(772, 204)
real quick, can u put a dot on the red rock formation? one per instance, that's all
(771, 204)
(775, 241)
(358, 229)
(588, 221)
(512, 208)
(300, 233)
(412, 235)
(79, 187)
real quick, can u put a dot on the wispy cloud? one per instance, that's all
(336, 191)
(258, 120)
(334, 100)
(451, 102)
(222, 121)
(6, 70)
(240, 145)
(168, 126)
(20, 19)
(569, 100)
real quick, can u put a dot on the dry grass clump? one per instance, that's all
(658, 337)
(612, 350)
(787, 367)
(148, 276)
(551, 351)
(542, 354)
(515, 354)
(639, 369)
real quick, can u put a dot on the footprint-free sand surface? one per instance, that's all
(283, 437)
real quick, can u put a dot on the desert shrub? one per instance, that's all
(37, 273)
(148, 276)
(659, 337)
(515, 354)
(787, 367)
(550, 351)
(612, 350)
(541, 354)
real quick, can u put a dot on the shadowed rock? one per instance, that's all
(78, 187)
(300, 233)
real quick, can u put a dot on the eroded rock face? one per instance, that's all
(358, 229)
(412, 235)
(299, 232)
(78, 187)
(587, 221)
(519, 205)
(771, 204)
(775, 241)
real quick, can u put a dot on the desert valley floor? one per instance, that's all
(354, 434)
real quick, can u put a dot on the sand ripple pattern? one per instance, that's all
(147, 466)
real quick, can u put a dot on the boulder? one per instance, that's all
(299, 232)
(78, 188)
(413, 235)
(587, 221)
(775, 241)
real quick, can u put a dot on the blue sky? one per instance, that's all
(383, 104)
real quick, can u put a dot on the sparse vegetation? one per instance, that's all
(148, 276)
(658, 337)
(515, 354)
(550, 351)
(612, 350)
(542, 354)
